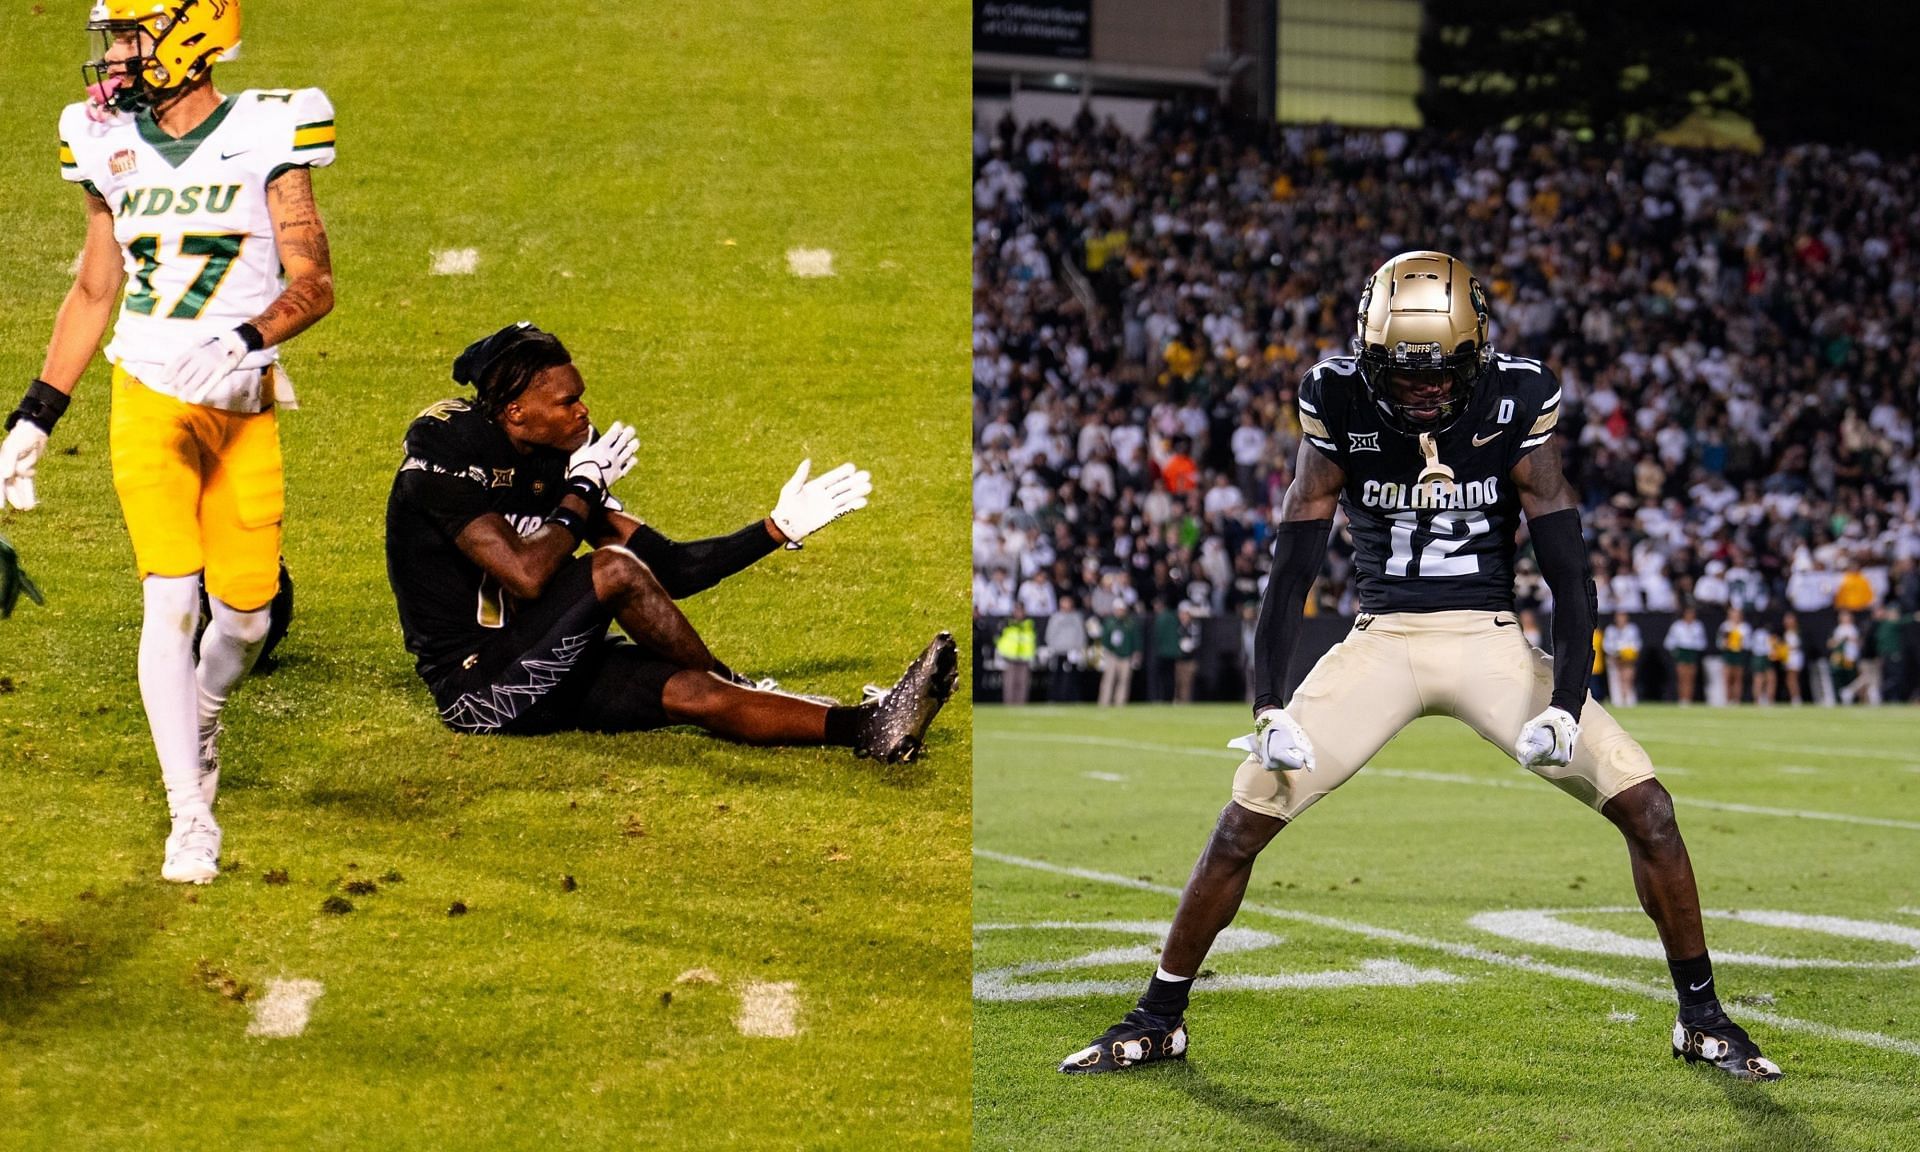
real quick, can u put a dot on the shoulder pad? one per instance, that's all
(298, 127)
(1537, 392)
(78, 136)
(447, 433)
(1323, 396)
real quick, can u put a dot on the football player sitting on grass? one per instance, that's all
(509, 627)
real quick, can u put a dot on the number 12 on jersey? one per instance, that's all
(1444, 533)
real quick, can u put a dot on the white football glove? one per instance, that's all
(1279, 742)
(1547, 740)
(19, 460)
(195, 375)
(605, 458)
(806, 506)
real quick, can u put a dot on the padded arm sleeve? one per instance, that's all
(1299, 548)
(1562, 554)
(697, 565)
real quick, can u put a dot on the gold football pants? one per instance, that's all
(201, 490)
(1394, 668)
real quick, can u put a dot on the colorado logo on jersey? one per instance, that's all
(1434, 495)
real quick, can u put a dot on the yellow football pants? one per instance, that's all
(201, 489)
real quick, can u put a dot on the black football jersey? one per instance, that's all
(1436, 546)
(459, 466)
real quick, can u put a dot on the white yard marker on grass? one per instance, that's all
(1623, 1017)
(809, 261)
(283, 1011)
(455, 261)
(769, 1010)
(1658, 992)
(1109, 777)
(79, 262)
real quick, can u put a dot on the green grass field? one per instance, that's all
(632, 177)
(1390, 1023)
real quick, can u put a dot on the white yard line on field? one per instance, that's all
(1108, 777)
(283, 1011)
(1459, 778)
(769, 1010)
(1466, 952)
(1822, 749)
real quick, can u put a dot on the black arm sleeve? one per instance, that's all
(697, 565)
(1562, 554)
(1299, 549)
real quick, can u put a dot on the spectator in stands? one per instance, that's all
(1760, 655)
(1120, 653)
(1734, 642)
(1186, 665)
(1843, 657)
(1621, 643)
(1686, 643)
(1065, 648)
(1881, 656)
(1793, 658)
(1015, 646)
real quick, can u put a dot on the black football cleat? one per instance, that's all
(1141, 1038)
(893, 729)
(1720, 1042)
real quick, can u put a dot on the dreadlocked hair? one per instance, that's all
(504, 376)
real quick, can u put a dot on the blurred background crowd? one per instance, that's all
(1735, 334)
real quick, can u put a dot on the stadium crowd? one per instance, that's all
(1736, 337)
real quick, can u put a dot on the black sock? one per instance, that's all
(1166, 997)
(1693, 982)
(843, 725)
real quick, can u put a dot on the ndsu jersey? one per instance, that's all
(191, 214)
(459, 466)
(1435, 546)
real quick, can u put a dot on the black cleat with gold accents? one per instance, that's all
(1140, 1038)
(896, 726)
(1716, 1040)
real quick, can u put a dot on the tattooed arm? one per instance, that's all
(302, 242)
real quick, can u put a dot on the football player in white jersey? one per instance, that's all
(201, 223)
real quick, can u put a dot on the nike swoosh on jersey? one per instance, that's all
(231, 155)
(1479, 441)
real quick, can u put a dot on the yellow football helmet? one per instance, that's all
(150, 48)
(1422, 315)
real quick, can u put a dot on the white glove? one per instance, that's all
(1547, 740)
(19, 459)
(196, 374)
(1280, 743)
(605, 458)
(806, 506)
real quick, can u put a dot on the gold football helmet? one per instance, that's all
(1422, 340)
(148, 49)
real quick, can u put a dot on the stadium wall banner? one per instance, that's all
(1222, 670)
(1062, 28)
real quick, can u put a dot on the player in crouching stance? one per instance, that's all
(509, 627)
(1433, 445)
(202, 207)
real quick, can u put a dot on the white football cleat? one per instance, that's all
(193, 851)
(210, 762)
